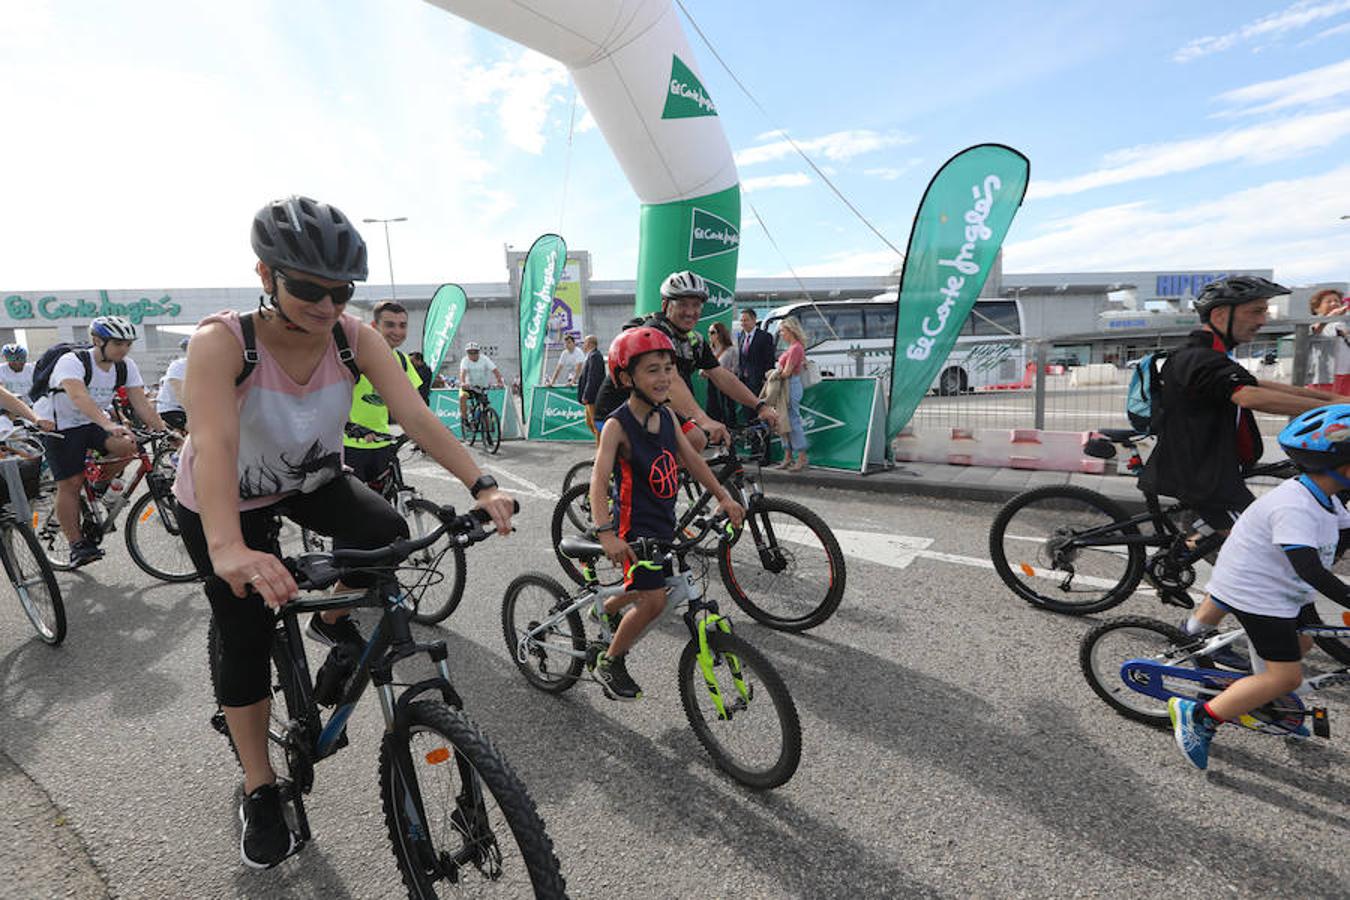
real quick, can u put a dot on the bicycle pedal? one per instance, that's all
(1321, 722)
(1176, 598)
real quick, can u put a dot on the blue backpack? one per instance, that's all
(1143, 400)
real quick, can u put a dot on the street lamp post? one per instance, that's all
(393, 291)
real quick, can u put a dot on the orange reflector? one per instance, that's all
(1028, 571)
(1345, 617)
(35, 521)
(149, 511)
(437, 756)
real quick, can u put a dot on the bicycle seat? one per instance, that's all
(1120, 435)
(579, 546)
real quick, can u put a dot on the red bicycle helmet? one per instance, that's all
(634, 342)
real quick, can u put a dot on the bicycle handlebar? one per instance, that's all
(316, 571)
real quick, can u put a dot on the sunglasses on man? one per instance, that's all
(313, 292)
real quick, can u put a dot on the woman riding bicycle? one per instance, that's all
(271, 391)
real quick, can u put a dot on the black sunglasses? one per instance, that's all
(313, 292)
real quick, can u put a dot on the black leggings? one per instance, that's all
(344, 509)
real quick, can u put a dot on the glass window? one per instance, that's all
(847, 323)
(813, 325)
(880, 321)
(998, 318)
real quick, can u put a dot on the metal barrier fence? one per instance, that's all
(1054, 395)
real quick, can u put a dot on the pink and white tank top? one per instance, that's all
(290, 434)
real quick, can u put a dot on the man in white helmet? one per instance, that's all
(82, 385)
(682, 298)
(476, 369)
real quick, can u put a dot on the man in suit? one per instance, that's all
(756, 356)
(592, 376)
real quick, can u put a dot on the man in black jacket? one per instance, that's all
(1207, 434)
(755, 357)
(592, 376)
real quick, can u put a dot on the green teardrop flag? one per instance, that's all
(443, 317)
(544, 266)
(960, 225)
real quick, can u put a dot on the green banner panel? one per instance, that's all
(538, 281)
(442, 321)
(841, 417)
(555, 415)
(445, 404)
(703, 235)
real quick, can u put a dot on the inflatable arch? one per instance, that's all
(635, 71)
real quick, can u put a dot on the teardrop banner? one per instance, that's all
(962, 220)
(543, 268)
(443, 317)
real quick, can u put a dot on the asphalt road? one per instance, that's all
(952, 748)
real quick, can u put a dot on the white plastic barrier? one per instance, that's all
(1017, 448)
(1093, 374)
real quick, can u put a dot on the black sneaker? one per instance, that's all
(612, 620)
(613, 676)
(83, 552)
(266, 839)
(343, 631)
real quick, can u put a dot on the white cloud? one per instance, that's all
(524, 89)
(1291, 18)
(891, 173)
(1287, 225)
(1315, 85)
(1330, 32)
(840, 146)
(1270, 142)
(765, 182)
(848, 262)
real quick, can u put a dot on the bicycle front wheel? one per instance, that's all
(48, 530)
(440, 568)
(757, 738)
(785, 567)
(1035, 546)
(492, 431)
(33, 581)
(1106, 647)
(153, 540)
(579, 473)
(460, 821)
(571, 515)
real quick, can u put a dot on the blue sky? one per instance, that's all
(140, 137)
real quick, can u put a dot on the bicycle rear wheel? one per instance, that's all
(571, 515)
(154, 542)
(1106, 647)
(785, 567)
(34, 582)
(459, 819)
(1032, 545)
(759, 741)
(47, 527)
(550, 664)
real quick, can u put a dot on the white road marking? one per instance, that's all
(526, 487)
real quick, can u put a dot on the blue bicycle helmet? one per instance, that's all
(1319, 439)
(14, 353)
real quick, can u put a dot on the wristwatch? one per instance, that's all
(761, 404)
(483, 483)
(608, 526)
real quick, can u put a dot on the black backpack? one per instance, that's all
(42, 369)
(345, 352)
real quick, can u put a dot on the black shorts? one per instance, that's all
(65, 454)
(645, 576)
(368, 464)
(1274, 638)
(175, 419)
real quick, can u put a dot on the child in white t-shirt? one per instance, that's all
(1278, 553)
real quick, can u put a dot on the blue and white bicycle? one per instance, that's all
(1135, 664)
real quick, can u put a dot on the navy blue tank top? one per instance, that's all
(645, 484)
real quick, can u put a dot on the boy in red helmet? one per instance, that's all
(643, 447)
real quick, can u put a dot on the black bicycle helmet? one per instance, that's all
(1235, 290)
(303, 235)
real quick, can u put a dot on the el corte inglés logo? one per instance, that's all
(712, 235)
(685, 97)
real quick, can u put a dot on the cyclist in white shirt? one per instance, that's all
(83, 384)
(169, 402)
(570, 361)
(475, 370)
(16, 375)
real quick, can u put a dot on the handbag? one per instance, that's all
(810, 374)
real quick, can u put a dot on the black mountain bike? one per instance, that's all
(1072, 550)
(481, 421)
(458, 816)
(784, 568)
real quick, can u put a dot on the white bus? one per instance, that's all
(855, 337)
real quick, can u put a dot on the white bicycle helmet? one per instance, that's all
(684, 284)
(471, 345)
(113, 328)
